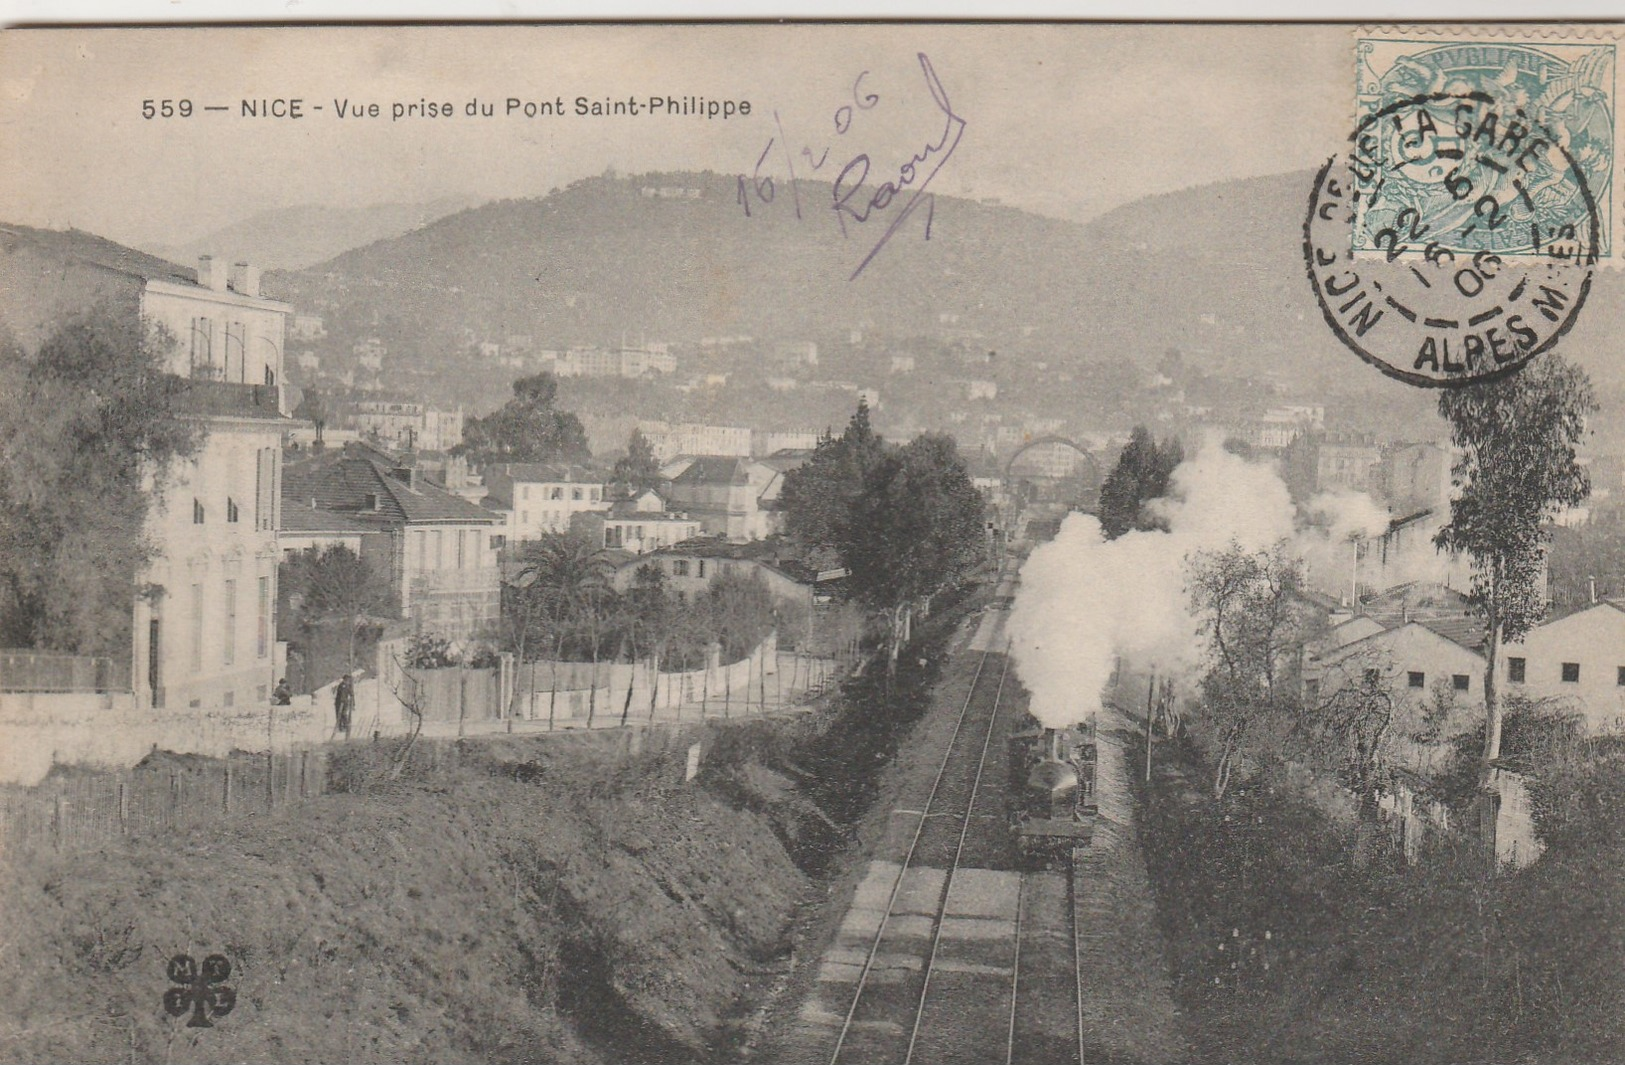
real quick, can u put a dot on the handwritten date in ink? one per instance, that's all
(853, 199)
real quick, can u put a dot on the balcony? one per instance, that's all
(229, 398)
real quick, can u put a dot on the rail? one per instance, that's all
(908, 858)
(959, 850)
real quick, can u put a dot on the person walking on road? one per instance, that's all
(343, 705)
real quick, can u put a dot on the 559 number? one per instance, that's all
(166, 109)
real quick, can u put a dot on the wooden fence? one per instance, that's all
(87, 808)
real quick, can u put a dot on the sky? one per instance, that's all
(1065, 120)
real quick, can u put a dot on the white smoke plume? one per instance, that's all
(1085, 600)
(1335, 520)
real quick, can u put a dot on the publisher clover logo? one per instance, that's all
(201, 990)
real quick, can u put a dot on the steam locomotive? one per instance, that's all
(1052, 776)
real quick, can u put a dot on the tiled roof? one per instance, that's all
(1465, 631)
(715, 469)
(344, 483)
(303, 518)
(99, 251)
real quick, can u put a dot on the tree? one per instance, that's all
(93, 425)
(1349, 726)
(558, 598)
(1141, 474)
(1246, 602)
(639, 470)
(1517, 470)
(915, 529)
(738, 610)
(818, 496)
(326, 598)
(528, 428)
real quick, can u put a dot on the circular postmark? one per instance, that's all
(1454, 242)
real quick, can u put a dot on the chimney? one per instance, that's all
(245, 279)
(211, 273)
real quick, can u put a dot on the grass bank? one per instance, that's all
(502, 899)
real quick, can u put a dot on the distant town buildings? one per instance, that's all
(625, 362)
(407, 426)
(670, 441)
(307, 327)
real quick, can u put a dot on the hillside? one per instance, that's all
(1214, 272)
(292, 238)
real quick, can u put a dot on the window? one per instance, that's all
(1459, 681)
(1418, 679)
(231, 509)
(420, 544)
(462, 551)
(1571, 672)
(262, 639)
(524, 493)
(1311, 688)
(1515, 670)
(197, 627)
(1619, 677)
(439, 553)
(229, 699)
(679, 568)
(265, 489)
(701, 565)
(230, 653)
(197, 511)
(235, 353)
(575, 493)
(524, 517)
(202, 345)
(558, 492)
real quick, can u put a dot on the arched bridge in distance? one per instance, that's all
(1089, 483)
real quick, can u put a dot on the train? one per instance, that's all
(1052, 773)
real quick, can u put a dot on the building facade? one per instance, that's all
(205, 635)
(438, 552)
(1579, 659)
(543, 497)
(408, 426)
(734, 498)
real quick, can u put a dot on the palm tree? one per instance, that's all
(564, 583)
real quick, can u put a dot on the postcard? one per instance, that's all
(861, 542)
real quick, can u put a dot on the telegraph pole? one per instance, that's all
(1150, 697)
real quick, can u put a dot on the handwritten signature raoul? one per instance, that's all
(853, 203)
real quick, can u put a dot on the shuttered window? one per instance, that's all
(265, 489)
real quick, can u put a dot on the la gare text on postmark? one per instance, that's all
(1456, 238)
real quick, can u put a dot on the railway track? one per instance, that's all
(1046, 980)
(973, 960)
(883, 1017)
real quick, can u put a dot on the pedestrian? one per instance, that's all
(344, 705)
(282, 695)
